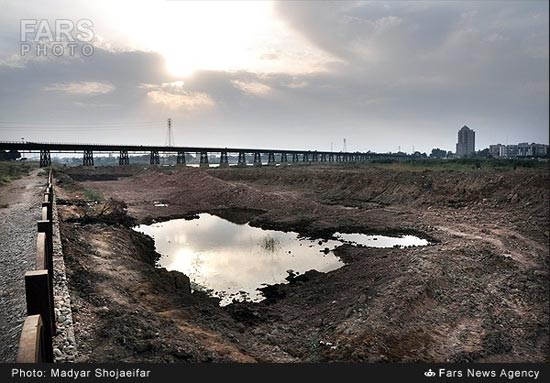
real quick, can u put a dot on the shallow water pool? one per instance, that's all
(232, 261)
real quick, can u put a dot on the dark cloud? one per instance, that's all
(483, 63)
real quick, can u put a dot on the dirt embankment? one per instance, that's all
(479, 293)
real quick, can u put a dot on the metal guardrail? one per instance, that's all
(35, 344)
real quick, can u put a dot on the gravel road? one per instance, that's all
(17, 254)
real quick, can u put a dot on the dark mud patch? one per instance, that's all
(276, 292)
(112, 212)
(71, 202)
(307, 228)
(237, 215)
(349, 253)
(350, 203)
(98, 177)
(246, 313)
(148, 220)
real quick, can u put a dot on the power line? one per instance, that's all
(83, 130)
(66, 123)
(78, 129)
(67, 127)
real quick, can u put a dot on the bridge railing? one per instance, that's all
(35, 344)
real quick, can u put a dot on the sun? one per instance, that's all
(179, 66)
(212, 35)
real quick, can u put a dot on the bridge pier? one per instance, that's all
(323, 157)
(271, 159)
(123, 158)
(331, 157)
(241, 162)
(45, 158)
(204, 160)
(305, 157)
(180, 158)
(154, 159)
(257, 159)
(224, 163)
(284, 159)
(88, 159)
(315, 157)
(294, 157)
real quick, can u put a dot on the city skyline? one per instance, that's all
(286, 75)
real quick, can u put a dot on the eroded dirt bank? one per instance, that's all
(478, 293)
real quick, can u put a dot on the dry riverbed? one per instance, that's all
(479, 292)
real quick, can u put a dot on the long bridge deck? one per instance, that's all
(283, 155)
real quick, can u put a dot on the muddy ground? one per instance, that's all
(479, 292)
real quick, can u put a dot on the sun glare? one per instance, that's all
(211, 35)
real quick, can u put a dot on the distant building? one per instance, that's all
(522, 149)
(509, 151)
(496, 150)
(532, 150)
(466, 145)
(438, 153)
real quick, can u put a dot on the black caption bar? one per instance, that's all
(334, 373)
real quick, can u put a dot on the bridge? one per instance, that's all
(274, 156)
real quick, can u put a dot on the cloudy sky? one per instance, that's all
(298, 75)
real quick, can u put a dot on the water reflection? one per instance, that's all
(230, 258)
(234, 260)
(381, 240)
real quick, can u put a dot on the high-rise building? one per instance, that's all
(466, 144)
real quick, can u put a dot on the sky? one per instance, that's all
(384, 75)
